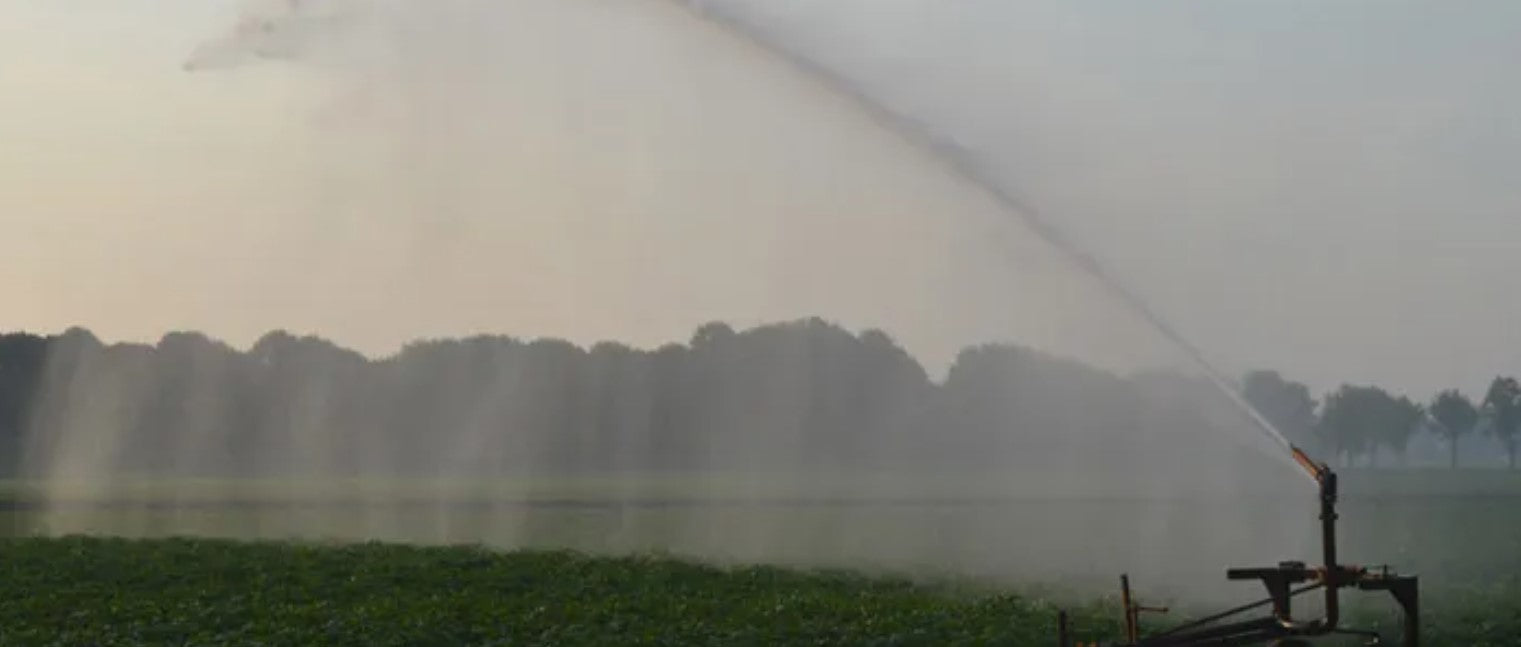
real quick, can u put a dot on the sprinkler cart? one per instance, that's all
(1283, 582)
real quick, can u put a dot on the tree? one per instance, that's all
(1346, 425)
(1397, 422)
(1456, 416)
(23, 359)
(712, 333)
(1284, 403)
(1358, 419)
(1502, 407)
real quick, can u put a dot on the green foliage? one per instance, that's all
(193, 592)
(198, 592)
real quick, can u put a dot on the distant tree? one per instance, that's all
(1502, 407)
(1399, 419)
(1345, 421)
(1456, 416)
(1356, 420)
(711, 333)
(22, 361)
(805, 393)
(1286, 404)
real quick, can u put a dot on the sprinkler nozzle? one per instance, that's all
(1317, 470)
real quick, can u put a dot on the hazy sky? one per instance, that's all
(1333, 189)
(1326, 187)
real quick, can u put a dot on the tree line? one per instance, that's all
(1355, 421)
(804, 393)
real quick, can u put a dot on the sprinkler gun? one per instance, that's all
(1283, 582)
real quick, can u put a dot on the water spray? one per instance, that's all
(286, 29)
(1282, 627)
(962, 163)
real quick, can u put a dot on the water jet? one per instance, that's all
(1282, 627)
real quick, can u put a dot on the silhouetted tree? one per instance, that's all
(1286, 404)
(1456, 417)
(712, 333)
(1354, 420)
(1399, 419)
(22, 360)
(799, 394)
(1357, 420)
(1502, 406)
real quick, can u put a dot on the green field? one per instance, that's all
(184, 592)
(82, 591)
(1461, 532)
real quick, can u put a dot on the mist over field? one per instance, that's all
(799, 442)
(498, 230)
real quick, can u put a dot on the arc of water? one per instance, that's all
(961, 162)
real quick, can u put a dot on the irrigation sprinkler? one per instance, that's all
(1280, 628)
(1283, 582)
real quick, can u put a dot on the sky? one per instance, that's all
(1329, 189)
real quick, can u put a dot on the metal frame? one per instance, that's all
(1281, 627)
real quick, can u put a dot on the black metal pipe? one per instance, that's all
(1255, 629)
(1132, 622)
(1412, 610)
(1230, 612)
(1333, 575)
(1332, 572)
